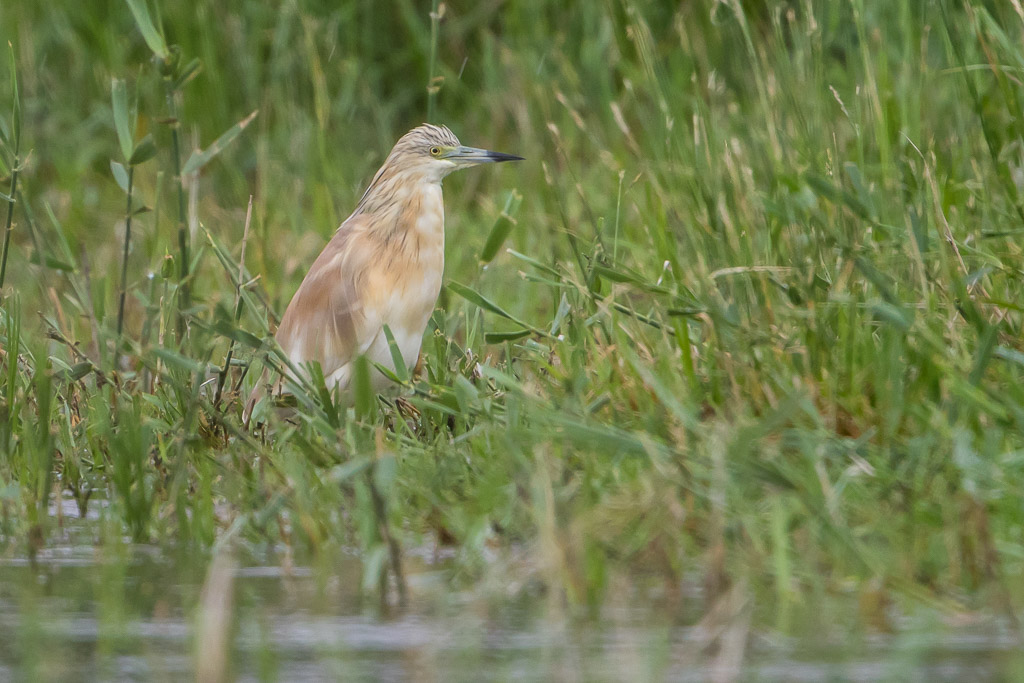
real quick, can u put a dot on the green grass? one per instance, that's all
(749, 314)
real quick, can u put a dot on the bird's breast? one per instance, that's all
(420, 264)
(409, 278)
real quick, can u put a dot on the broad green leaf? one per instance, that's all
(119, 101)
(75, 372)
(120, 174)
(502, 227)
(144, 151)
(153, 39)
(201, 157)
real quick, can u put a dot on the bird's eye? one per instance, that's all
(434, 151)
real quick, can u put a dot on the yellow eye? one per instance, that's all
(434, 151)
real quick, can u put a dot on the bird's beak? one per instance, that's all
(470, 156)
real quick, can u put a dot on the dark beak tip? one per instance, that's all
(501, 156)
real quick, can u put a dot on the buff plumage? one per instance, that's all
(383, 266)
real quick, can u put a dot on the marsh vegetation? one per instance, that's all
(726, 373)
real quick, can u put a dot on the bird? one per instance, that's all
(383, 266)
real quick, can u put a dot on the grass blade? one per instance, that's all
(401, 371)
(153, 39)
(202, 157)
(119, 102)
(483, 302)
(502, 227)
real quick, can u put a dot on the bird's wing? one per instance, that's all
(329, 319)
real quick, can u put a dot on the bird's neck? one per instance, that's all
(405, 205)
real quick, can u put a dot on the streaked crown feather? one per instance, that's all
(424, 136)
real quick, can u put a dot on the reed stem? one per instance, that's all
(124, 257)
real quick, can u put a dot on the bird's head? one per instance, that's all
(434, 152)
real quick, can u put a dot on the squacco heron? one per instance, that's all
(383, 265)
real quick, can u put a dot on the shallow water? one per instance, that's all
(79, 613)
